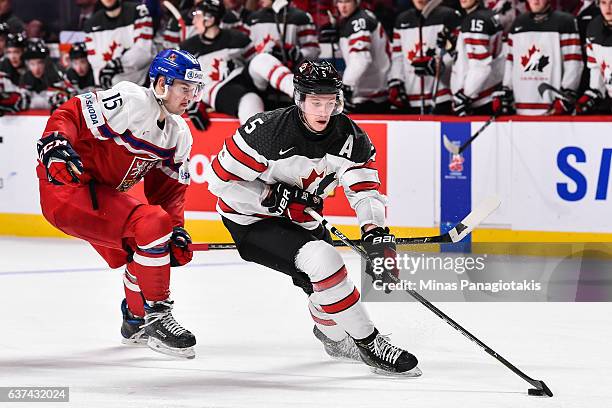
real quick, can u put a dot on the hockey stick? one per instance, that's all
(454, 149)
(459, 231)
(544, 86)
(179, 18)
(277, 6)
(541, 389)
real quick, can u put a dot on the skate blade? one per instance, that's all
(414, 373)
(156, 345)
(135, 342)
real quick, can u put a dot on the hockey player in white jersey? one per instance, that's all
(367, 54)
(119, 39)
(479, 64)
(223, 55)
(283, 161)
(416, 56)
(596, 99)
(543, 47)
(282, 39)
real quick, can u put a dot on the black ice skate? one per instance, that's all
(341, 350)
(385, 358)
(165, 334)
(131, 329)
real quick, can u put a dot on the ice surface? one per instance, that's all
(60, 327)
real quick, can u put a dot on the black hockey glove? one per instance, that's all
(328, 33)
(180, 254)
(462, 105)
(199, 115)
(13, 102)
(425, 65)
(397, 93)
(503, 102)
(62, 163)
(57, 99)
(381, 248)
(291, 201)
(447, 41)
(586, 103)
(107, 73)
(564, 106)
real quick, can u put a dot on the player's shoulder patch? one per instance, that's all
(91, 109)
(354, 143)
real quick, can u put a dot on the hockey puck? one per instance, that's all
(536, 392)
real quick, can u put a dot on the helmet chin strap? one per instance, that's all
(160, 99)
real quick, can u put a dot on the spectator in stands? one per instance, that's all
(45, 84)
(6, 16)
(35, 29)
(12, 66)
(119, 40)
(80, 73)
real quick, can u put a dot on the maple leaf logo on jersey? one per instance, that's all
(219, 69)
(308, 181)
(416, 52)
(534, 60)
(111, 50)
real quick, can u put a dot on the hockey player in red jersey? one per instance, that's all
(283, 161)
(223, 55)
(596, 99)
(96, 147)
(367, 54)
(543, 47)
(119, 40)
(479, 64)
(418, 69)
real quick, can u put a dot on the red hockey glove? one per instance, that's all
(503, 102)
(397, 93)
(198, 115)
(587, 102)
(180, 254)
(62, 163)
(380, 246)
(563, 105)
(107, 73)
(290, 202)
(424, 65)
(13, 102)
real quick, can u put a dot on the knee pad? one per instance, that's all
(151, 225)
(319, 261)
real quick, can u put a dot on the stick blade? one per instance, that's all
(543, 87)
(450, 146)
(278, 5)
(477, 216)
(542, 390)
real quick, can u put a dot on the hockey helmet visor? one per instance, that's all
(318, 78)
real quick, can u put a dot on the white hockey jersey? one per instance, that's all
(542, 48)
(301, 31)
(275, 147)
(128, 37)
(406, 47)
(599, 56)
(367, 54)
(479, 66)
